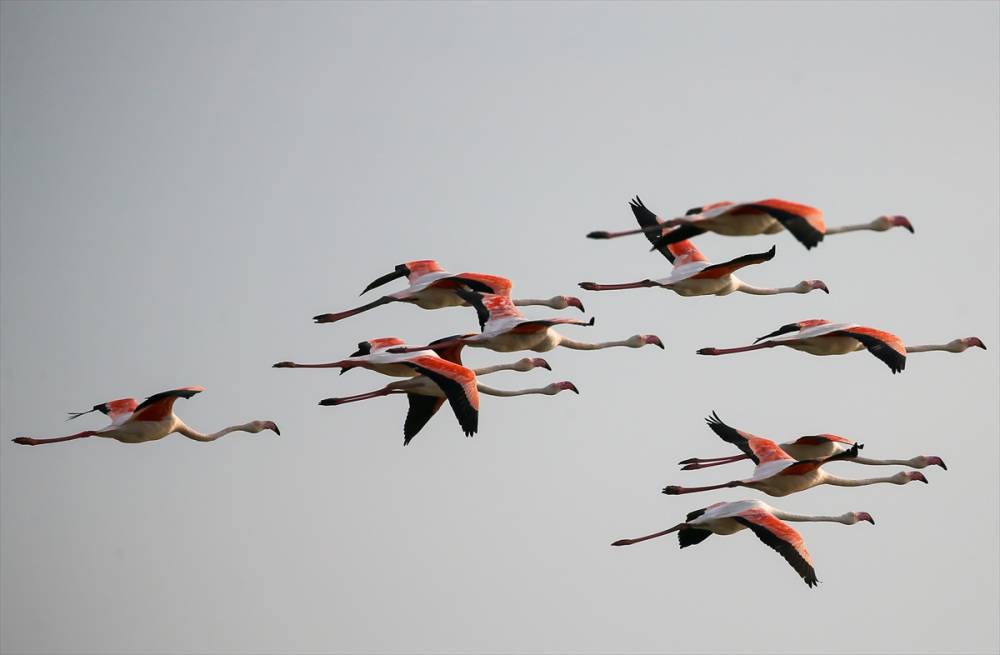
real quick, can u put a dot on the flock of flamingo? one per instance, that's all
(433, 373)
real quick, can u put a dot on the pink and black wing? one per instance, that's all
(784, 539)
(458, 384)
(114, 409)
(161, 405)
(803, 221)
(475, 300)
(648, 219)
(422, 409)
(756, 448)
(884, 345)
(543, 324)
(727, 268)
(691, 536)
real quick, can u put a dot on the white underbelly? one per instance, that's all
(395, 370)
(828, 345)
(140, 431)
(740, 225)
(722, 526)
(782, 485)
(511, 342)
(436, 299)
(719, 286)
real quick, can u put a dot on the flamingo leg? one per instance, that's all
(629, 542)
(28, 441)
(674, 490)
(695, 464)
(294, 365)
(362, 396)
(742, 349)
(604, 234)
(698, 460)
(593, 286)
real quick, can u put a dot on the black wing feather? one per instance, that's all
(647, 218)
(173, 393)
(800, 228)
(467, 415)
(889, 355)
(677, 234)
(691, 536)
(745, 260)
(475, 299)
(422, 409)
(731, 435)
(785, 549)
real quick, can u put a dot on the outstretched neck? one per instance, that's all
(581, 345)
(846, 519)
(191, 433)
(884, 462)
(490, 391)
(931, 347)
(544, 302)
(840, 229)
(761, 291)
(845, 482)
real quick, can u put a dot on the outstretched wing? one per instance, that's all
(542, 324)
(422, 408)
(117, 410)
(727, 268)
(161, 405)
(458, 384)
(475, 299)
(803, 221)
(758, 449)
(646, 218)
(884, 345)
(457, 281)
(783, 538)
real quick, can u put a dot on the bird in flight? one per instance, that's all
(766, 522)
(152, 419)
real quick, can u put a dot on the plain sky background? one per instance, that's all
(185, 185)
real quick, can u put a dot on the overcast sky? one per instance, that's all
(182, 186)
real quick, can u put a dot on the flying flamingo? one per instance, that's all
(694, 275)
(767, 522)
(821, 337)
(152, 419)
(432, 287)
(751, 218)
(819, 446)
(444, 377)
(505, 329)
(778, 474)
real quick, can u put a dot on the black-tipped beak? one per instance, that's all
(401, 271)
(599, 234)
(327, 402)
(276, 430)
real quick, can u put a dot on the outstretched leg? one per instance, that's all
(674, 490)
(385, 391)
(28, 441)
(593, 286)
(695, 463)
(742, 349)
(629, 542)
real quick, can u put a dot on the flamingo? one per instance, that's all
(821, 337)
(751, 218)
(152, 419)
(778, 474)
(694, 275)
(432, 287)
(444, 377)
(819, 446)
(505, 329)
(767, 522)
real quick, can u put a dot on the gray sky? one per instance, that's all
(185, 185)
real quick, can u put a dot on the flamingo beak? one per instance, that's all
(819, 284)
(937, 461)
(599, 234)
(975, 341)
(575, 302)
(270, 425)
(901, 221)
(283, 365)
(652, 339)
(568, 386)
(541, 363)
(917, 475)
(865, 516)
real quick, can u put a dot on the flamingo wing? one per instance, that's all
(116, 410)
(884, 345)
(471, 281)
(646, 218)
(758, 449)
(820, 439)
(422, 409)
(475, 300)
(727, 268)
(458, 384)
(161, 405)
(783, 538)
(543, 324)
(495, 284)
(804, 222)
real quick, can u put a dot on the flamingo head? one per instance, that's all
(973, 342)
(930, 460)
(912, 476)
(641, 340)
(556, 387)
(883, 223)
(260, 426)
(862, 516)
(562, 302)
(806, 286)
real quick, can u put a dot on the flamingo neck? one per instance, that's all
(913, 462)
(191, 433)
(846, 519)
(840, 229)
(580, 345)
(490, 391)
(845, 482)
(931, 347)
(761, 291)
